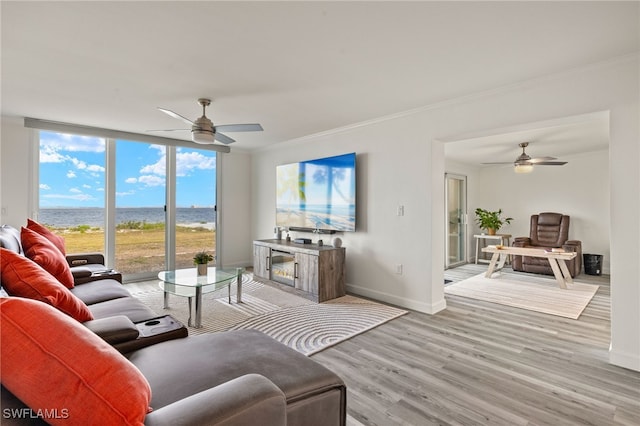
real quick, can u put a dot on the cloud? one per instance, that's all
(77, 197)
(150, 180)
(50, 155)
(85, 186)
(131, 180)
(185, 163)
(95, 168)
(75, 191)
(44, 186)
(71, 174)
(158, 168)
(71, 143)
(124, 194)
(188, 161)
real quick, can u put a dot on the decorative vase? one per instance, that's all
(202, 269)
(337, 242)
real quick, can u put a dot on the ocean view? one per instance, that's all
(94, 217)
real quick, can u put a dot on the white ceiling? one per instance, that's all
(560, 138)
(298, 68)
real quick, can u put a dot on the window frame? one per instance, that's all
(111, 137)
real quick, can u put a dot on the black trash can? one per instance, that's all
(592, 264)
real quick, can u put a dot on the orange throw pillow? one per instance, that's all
(60, 368)
(44, 253)
(57, 240)
(24, 278)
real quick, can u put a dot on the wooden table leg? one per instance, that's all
(565, 271)
(492, 265)
(557, 273)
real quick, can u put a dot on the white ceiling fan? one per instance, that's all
(202, 129)
(524, 163)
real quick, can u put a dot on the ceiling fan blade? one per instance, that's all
(538, 160)
(168, 130)
(500, 162)
(240, 128)
(551, 163)
(224, 138)
(175, 115)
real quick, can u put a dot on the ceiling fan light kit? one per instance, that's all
(523, 168)
(202, 137)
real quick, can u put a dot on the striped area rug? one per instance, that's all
(531, 292)
(301, 324)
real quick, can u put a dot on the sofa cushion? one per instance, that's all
(10, 238)
(100, 291)
(57, 240)
(229, 355)
(44, 253)
(130, 307)
(25, 278)
(69, 370)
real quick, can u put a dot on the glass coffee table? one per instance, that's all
(187, 283)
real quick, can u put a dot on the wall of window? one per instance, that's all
(148, 207)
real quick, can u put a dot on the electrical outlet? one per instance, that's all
(400, 210)
(399, 268)
(3, 211)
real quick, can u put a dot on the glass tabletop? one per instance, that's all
(215, 279)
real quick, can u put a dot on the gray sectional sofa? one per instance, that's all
(228, 378)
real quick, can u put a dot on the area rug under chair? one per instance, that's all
(531, 292)
(301, 324)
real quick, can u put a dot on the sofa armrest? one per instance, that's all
(521, 242)
(80, 272)
(572, 245)
(113, 330)
(247, 400)
(80, 259)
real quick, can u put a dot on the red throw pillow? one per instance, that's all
(44, 253)
(25, 278)
(61, 369)
(57, 240)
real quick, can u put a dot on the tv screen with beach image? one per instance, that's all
(317, 194)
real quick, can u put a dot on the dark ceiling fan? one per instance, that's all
(524, 163)
(202, 129)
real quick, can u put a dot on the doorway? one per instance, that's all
(455, 220)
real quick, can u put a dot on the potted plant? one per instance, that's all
(491, 221)
(200, 260)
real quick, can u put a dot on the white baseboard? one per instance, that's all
(625, 360)
(398, 301)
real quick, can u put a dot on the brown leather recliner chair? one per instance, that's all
(548, 230)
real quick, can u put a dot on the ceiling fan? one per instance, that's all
(524, 163)
(202, 129)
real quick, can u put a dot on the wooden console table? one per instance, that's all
(319, 270)
(556, 260)
(503, 238)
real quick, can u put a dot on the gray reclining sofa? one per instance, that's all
(229, 378)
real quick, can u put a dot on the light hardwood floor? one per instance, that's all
(479, 363)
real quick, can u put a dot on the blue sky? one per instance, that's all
(72, 173)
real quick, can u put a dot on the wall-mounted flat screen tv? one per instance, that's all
(317, 194)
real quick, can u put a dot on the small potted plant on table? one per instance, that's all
(201, 259)
(491, 221)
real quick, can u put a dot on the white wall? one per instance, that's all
(401, 162)
(234, 199)
(15, 162)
